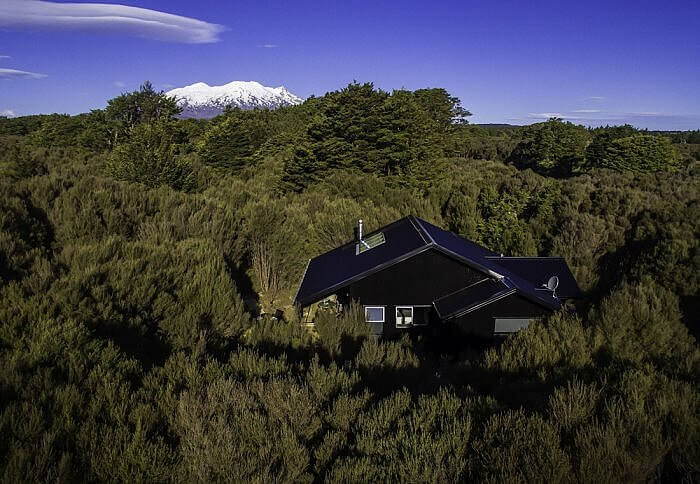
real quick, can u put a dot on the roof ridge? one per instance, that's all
(422, 229)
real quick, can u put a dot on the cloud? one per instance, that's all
(544, 115)
(586, 111)
(120, 83)
(7, 113)
(140, 22)
(269, 46)
(167, 86)
(15, 74)
(595, 98)
(640, 119)
(5, 57)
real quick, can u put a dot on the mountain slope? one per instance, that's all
(201, 100)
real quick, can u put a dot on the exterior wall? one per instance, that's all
(481, 321)
(414, 282)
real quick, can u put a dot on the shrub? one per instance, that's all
(641, 153)
(148, 157)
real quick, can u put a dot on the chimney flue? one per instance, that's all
(359, 229)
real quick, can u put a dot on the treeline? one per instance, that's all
(142, 256)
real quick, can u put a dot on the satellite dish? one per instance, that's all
(552, 285)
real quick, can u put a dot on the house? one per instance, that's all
(411, 273)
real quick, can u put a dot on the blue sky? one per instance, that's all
(508, 61)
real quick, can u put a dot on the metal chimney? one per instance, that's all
(359, 229)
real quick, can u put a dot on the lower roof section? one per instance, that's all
(472, 297)
(538, 270)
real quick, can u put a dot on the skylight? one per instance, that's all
(370, 242)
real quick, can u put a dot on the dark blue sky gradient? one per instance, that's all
(514, 62)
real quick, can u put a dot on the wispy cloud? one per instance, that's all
(594, 117)
(5, 57)
(7, 113)
(269, 46)
(120, 83)
(141, 22)
(595, 98)
(167, 86)
(544, 115)
(15, 74)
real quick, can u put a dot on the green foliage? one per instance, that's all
(149, 157)
(642, 323)
(174, 294)
(552, 148)
(231, 142)
(19, 159)
(500, 227)
(25, 236)
(341, 336)
(640, 153)
(124, 113)
(127, 351)
(402, 134)
(520, 448)
(561, 345)
(602, 138)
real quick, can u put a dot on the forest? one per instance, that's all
(148, 265)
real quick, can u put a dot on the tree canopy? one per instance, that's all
(148, 266)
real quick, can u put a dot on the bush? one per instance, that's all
(520, 448)
(554, 148)
(148, 157)
(641, 153)
(641, 323)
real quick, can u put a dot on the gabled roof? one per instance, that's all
(329, 272)
(409, 236)
(538, 270)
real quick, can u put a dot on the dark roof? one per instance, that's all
(538, 270)
(477, 256)
(329, 272)
(472, 297)
(339, 267)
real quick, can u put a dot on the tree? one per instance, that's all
(602, 137)
(301, 169)
(149, 157)
(553, 148)
(443, 108)
(403, 134)
(641, 153)
(125, 112)
(231, 142)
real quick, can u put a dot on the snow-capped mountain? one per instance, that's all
(201, 100)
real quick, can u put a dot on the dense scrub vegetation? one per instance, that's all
(141, 257)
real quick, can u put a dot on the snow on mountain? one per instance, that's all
(201, 100)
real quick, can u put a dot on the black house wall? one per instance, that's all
(413, 282)
(481, 321)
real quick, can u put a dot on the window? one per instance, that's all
(510, 325)
(369, 243)
(421, 315)
(404, 316)
(374, 314)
